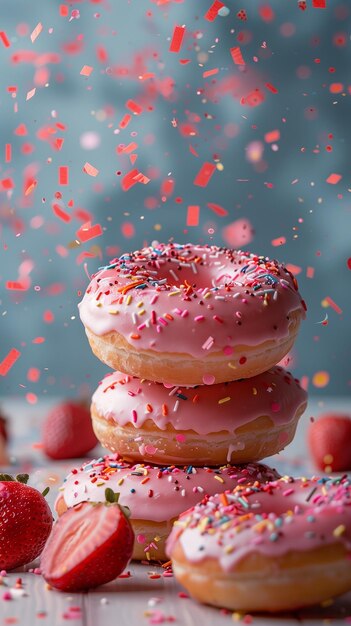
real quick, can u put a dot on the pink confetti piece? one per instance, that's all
(60, 213)
(90, 169)
(38, 340)
(63, 10)
(9, 361)
(87, 232)
(8, 153)
(125, 120)
(129, 180)
(294, 269)
(193, 215)
(212, 72)
(212, 12)
(333, 305)
(33, 374)
(127, 149)
(21, 130)
(30, 94)
(4, 39)
(86, 70)
(279, 241)
(6, 184)
(310, 272)
(134, 107)
(204, 175)
(333, 179)
(272, 136)
(271, 88)
(177, 39)
(237, 56)
(216, 208)
(63, 175)
(36, 32)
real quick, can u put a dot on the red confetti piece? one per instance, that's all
(167, 187)
(87, 231)
(8, 153)
(129, 180)
(65, 217)
(253, 99)
(86, 70)
(216, 208)
(33, 374)
(333, 305)
(127, 149)
(21, 130)
(58, 143)
(4, 39)
(279, 241)
(38, 340)
(310, 272)
(90, 169)
(9, 361)
(336, 88)
(63, 175)
(134, 107)
(349, 263)
(48, 317)
(193, 214)
(63, 9)
(237, 56)
(294, 269)
(31, 398)
(208, 73)
(273, 135)
(101, 54)
(213, 10)
(204, 175)
(128, 230)
(271, 88)
(125, 120)
(177, 39)
(193, 151)
(333, 179)
(6, 183)
(36, 32)
(319, 4)
(16, 285)
(30, 186)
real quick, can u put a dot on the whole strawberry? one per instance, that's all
(68, 432)
(25, 522)
(329, 440)
(90, 545)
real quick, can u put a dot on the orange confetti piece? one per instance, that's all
(279, 241)
(87, 232)
(320, 379)
(8, 153)
(328, 301)
(36, 32)
(237, 56)
(86, 70)
(212, 12)
(333, 179)
(90, 169)
(63, 175)
(336, 88)
(127, 149)
(177, 39)
(273, 135)
(31, 185)
(9, 361)
(193, 214)
(204, 175)
(216, 208)
(134, 107)
(208, 73)
(60, 213)
(4, 39)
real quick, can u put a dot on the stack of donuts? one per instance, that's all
(196, 399)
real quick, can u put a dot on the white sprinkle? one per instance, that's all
(176, 405)
(173, 274)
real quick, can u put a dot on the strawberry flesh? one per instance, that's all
(329, 439)
(90, 545)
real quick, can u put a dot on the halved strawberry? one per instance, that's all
(68, 431)
(329, 440)
(90, 545)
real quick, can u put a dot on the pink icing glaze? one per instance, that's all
(284, 516)
(191, 299)
(204, 409)
(155, 493)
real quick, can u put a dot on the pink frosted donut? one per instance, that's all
(189, 314)
(154, 495)
(274, 547)
(235, 422)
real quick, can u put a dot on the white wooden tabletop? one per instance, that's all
(149, 594)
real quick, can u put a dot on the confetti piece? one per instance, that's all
(63, 9)
(319, 4)
(329, 302)
(271, 88)
(127, 149)
(63, 175)
(272, 136)
(129, 180)
(33, 374)
(8, 153)
(21, 130)
(87, 232)
(134, 107)
(238, 233)
(90, 169)
(125, 121)
(101, 54)
(65, 217)
(310, 272)
(237, 56)
(4, 39)
(208, 73)
(333, 179)
(30, 94)
(36, 32)
(212, 12)
(204, 175)
(9, 361)
(193, 215)
(279, 241)
(294, 269)
(177, 39)
(216, 208)
(320, 379)
(86, 70)
(6, 184)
